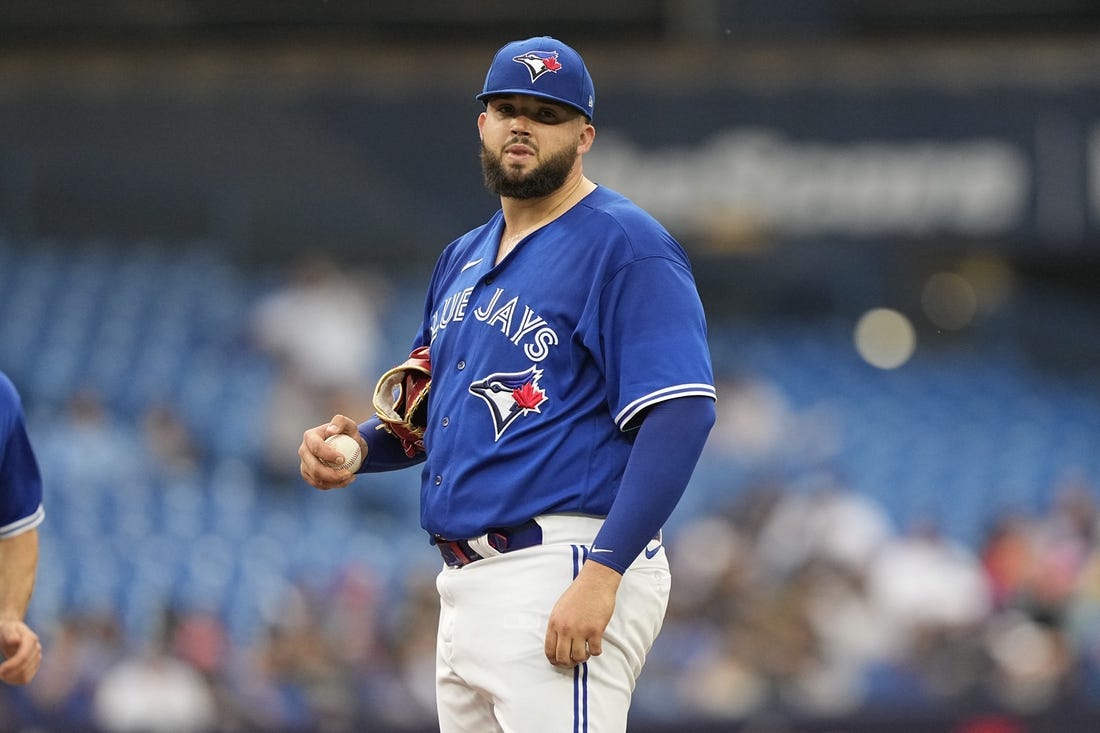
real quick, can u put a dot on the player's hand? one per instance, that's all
(314, 452)
(22, 653)
(574, 633)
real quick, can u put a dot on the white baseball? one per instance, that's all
(349, 448)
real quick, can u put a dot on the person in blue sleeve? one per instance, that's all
(20, 514)
(572, 393)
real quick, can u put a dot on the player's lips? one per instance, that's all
(519, 151)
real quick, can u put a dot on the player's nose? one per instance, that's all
(521, 125)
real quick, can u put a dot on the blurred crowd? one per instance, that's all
(791, 598)
(809, 603)
(341, 654)
(791, 601)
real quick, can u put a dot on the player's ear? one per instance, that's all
(481, 125)
(588, 136)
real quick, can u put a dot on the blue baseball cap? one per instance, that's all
(541, 67)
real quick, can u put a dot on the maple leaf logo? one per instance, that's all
(528, 397)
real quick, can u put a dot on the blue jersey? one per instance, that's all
(20, 481)
(542, 365)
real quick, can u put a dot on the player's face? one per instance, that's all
(529, 146)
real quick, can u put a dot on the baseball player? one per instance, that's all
(20, 514)
(570, 396)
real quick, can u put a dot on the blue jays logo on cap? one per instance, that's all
(538, 62)
(541, 67)
(510, 395)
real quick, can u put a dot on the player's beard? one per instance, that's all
(543, 180)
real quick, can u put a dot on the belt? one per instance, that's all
(459, 553)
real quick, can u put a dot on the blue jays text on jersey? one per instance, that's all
(528, 326)
(545, 361)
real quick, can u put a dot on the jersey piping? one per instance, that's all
(628, 413)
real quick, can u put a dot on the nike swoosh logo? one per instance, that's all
(471, 263)
(650, 554)
(598, 549)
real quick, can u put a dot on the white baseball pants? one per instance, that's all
(491, 670)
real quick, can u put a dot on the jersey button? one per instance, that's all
(461, 365)
(438, 480)
(445, 421)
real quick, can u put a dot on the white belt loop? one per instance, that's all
(482, 547)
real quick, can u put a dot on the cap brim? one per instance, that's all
(485, 96)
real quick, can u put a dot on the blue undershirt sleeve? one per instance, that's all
(666, 449)
(384, 451)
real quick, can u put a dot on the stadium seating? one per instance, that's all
(952, 437)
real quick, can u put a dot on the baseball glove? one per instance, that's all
(401, 400)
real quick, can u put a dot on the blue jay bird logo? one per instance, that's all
(510, 395)
(539, 62)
